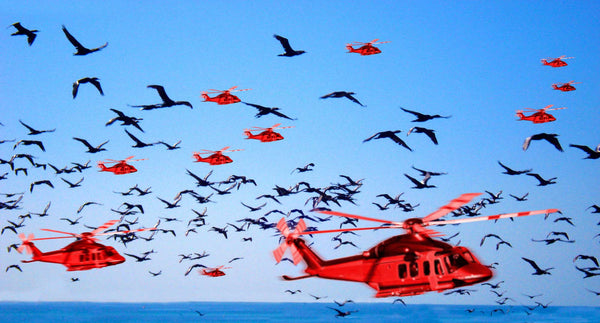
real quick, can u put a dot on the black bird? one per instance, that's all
(72, 222)
(263, 111)
(595, 207)
(342, 94)
(340, 313)
(91, 149)
(138, 258)
(429, 132)
(252, 208)
(423, 117)
(192, 267)
(538, 270)
(126, 120)
(86, 204)
(289, 52)
(510, 171)
(305, 168)
(167, 102)
(389, 134)
(543, 182)
(30, 142)
(425, 172)
(73, 185)
(592, 258)
(343, 303)
(170, 147)
(550, 137)
(520, 198)
(292, 291)
(24, 31)
(15, 267)
(33, 131)
(138, 143)
(155, 274)
(592, 154)
(93, 80)
(222, 231)
(47, 182)
(80, 49)
(169, 204)
(420, 184)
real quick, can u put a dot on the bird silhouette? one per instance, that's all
(420, 184)
(263, 111)
(138, 143)
(126, 120)
(538, 270)
(592, 154)
(391, 135)
(93, 80)
(510, 171)
(91, 149)
(342, 94)
(543, 182)
(429, 132)
(33, 131)
(167, 101)
(289, 52)
(31, 34)
(80, 49)
(550, 137)
(423, 117)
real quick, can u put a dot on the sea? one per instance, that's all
(285, 312)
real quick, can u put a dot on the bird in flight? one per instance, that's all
(31, 34)
(342, 94)
(167, 101)
(592, 154)
(93, 80)
(91, 149)
(538, 270)
(550, 137)
(510, 171)
(263, 111)
(34, 131)
(423, 117)
(81, 50)
(429, 132)
(126, 120)
(289, 51)
(389, 134)
(543, 182)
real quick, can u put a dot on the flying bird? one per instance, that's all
(420, 184)
(80, 49)
(289, 52)
(423, 117)
(263, 111)
(31, 34)
(33, 131)
(538, 270)
(30, 142)
(91, 149)
(126, 120)
(429, 132)
(510, 171)
(543, 182)
(47, 182)
(138, 143)
(389, 134)
(550, 137)
(592, 154)
(167, 101)
(93, 80)
(342, 94)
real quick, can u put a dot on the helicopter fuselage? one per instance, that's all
(215, 159)
(213, 273)
(555, 62)
(564, 87)
(80, 255)
(408, 264)
(222, 99)
(364, 50)
(265, 136)
(118, 169)
(538, 117)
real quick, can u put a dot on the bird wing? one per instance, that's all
(96, 83)
(72, 39)
(161, 92)
(284, 42)
(554, 141)
(584, 148)
(353, 99)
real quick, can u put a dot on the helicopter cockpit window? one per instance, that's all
(468, 257)
(455, 261)
(438, 267)
(402, 271)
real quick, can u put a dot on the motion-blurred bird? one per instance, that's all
(263, 111)
(429, 132)
(391, 135)
(592, 154)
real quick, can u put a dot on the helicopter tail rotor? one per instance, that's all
(26, 243)
(288, 242)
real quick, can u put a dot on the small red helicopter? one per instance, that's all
(409, 264)
(555, 62)
(213, 272)
(216, 157)
(540, 115)
(83, 254)
(565, 87)
(225, 97)
(267, 134)
(366, 48)
(120, 167)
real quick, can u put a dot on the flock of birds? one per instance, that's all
(210, 190)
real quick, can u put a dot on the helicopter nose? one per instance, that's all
(475, 273)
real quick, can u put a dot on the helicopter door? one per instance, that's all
(432, 275)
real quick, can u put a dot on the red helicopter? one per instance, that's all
(409, 264)
(540, 115)
(216, 157)
(225, 97)
(565, 87)
(213, 272)
(83, 254)
(267, 134)
(120, 167)
(366, 48)
(555, 62)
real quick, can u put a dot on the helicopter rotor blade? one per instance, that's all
(451, 206)
(350, 229)
(360, 217)
(56, 231)
(125, 232)
(224, 149)
(492, 217)
(104, 227)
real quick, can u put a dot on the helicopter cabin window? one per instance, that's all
(414, 269)
(93, 256)
(454, 262)
(81, 258)
(426, 269)
(402, 271)
(438, 267)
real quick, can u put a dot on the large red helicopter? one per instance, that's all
(213, 272)
(267, 134)
(366, 48)
(539, 115)
(409, 264)
(555, 62)
(224, 97)
(120, 167)
(216, 157)
(83, 254)
(565, 87)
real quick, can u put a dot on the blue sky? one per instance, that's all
(476, 61)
